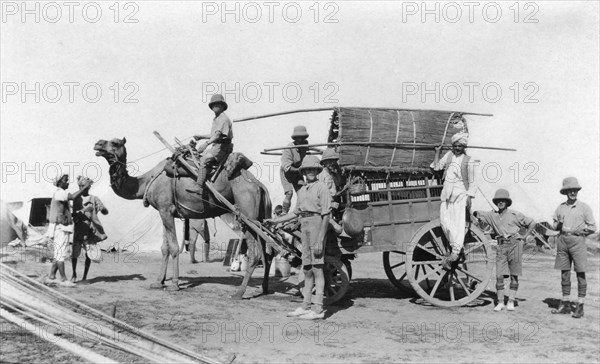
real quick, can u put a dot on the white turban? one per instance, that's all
(461, 138)
(59, 178)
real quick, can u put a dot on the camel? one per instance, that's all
(169, 197)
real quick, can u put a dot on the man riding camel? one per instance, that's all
(220, 137)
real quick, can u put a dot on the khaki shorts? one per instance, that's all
(509, 258)
(571, 249)
(218, 151)
(310, 227)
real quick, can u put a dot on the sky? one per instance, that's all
(101, 71)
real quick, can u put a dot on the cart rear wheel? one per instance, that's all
(394, 264)
(467, 278)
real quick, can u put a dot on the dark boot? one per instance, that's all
(198, 188)
(578, 311)
(564, 308)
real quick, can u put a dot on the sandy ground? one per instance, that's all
(375, 322)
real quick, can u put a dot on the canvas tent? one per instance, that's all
(11, 226)
(129, 225)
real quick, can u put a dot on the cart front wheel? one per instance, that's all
(336, 280)
(467, 278)
(394, 264)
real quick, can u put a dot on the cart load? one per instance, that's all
(372, 139)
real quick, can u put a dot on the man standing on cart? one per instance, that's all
(291, 159)
(314, 209)
(458, 190)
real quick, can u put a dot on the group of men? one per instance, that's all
(318, 184)
(82, 229)
(573, 220)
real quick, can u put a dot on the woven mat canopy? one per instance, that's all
(376, 127)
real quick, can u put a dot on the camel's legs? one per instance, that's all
(170, 237)
(168, 227)
(162, 275)
(194, 234)
(254, 256)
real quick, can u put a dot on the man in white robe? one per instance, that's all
(459, 188)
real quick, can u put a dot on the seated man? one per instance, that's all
(220, 137)
(291, 159)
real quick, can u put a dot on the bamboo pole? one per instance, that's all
(384, 145)
(340, 107)
(78, 350)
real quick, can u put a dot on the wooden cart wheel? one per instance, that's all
(467, 278)
(348, 265)
(394, 264)
(336, 280)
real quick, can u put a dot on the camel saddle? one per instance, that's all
(232, 165)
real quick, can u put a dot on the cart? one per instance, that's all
(392, 192)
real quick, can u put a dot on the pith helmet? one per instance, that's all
(310, 161)
(569, 183)
(330, 154)
(500, 195)
(300, 132)
(217, 98)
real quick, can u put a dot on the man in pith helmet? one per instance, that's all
(331, 175)
(509, 252)
(314, 209)
(574, 220)
(291, 160)
(221, 134)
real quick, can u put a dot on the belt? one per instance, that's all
(508, 240)
(308, 214)
(571, 234)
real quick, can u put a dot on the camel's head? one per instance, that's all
(113, 150)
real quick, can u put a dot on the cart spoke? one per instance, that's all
(436, 270)
(436, 286)
(438, 243)
(397, 265)
(427, 262)
(429, 251)
(452, 292)
(462, 284)
(469, 274)
(402, 277)
(475, 246)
